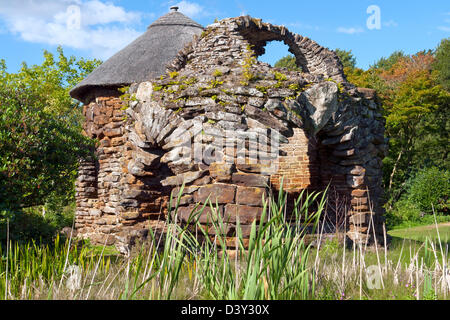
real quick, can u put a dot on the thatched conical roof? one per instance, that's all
(143, 59)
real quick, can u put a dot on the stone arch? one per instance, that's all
(297, 119)
(310, 56)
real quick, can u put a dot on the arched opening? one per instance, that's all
(277, 54)
(261, 35)
(310, 56)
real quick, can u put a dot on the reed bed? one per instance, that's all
(278, 262)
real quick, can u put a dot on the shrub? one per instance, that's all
(427, 189)
(404, 211)
(31, 224)
(430, 188)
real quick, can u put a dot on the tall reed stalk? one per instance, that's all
(186, 261)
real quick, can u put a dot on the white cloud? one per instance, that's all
(447, 21)
(191, 9)
(102, 28)
(95, 12)
(44, 9)
(443, 28)
(350, 30)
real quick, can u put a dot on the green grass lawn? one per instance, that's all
(422, 232)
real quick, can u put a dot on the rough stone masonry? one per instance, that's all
(230, 129)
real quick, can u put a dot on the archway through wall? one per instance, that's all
(310, 56)
(277, 55)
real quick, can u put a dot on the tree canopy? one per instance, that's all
(348, 60)
(41, 138)
(442, 63)
(288, 62)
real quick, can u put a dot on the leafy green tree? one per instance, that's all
(387, 63)
(442, 63)
(426, 192)
(51, 82)
(347, 58)
(288, 62)
(413, 101)
(41, 138)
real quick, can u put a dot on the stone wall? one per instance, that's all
(98, 182)
(107, 207)
(228, 127)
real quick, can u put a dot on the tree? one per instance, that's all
(387, 63)
(347, 58)
(41, 139)
(415, 107)
(288, 62)
(51, 82)
(442, 63)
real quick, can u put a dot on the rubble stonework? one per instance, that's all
(230, 128)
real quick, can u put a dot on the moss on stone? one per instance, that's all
(190, 81)
(262, 89)
(217, 73)
(249, 61)
(294, 86)
(214, 84)
(173, 74)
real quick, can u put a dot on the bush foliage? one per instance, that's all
(41, 138)
(429, 189)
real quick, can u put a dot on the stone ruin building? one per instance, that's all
(198, 109)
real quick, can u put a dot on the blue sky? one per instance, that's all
(105, 26)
